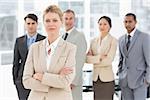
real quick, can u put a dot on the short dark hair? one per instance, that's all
(32, 16)
(107, 19)
(131, 14)
(69, 11)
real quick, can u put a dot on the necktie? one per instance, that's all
(31, 40)
(128, 42)
(65, 37)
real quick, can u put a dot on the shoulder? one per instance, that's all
(94, 39)
(21, 38)
(113, 38)
(121, 38)
(70, 45)
(37, 44)
(41, 36)
(145, 37)
(78, 33)
(142, 35)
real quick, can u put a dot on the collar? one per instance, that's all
(105, 38)
(34, 36)
(70, 30)
(132, 33)
(52, 45)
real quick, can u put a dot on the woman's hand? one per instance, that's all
(38, 76)
(66, 70)
(102, 57)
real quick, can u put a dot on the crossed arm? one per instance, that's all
(63, 72)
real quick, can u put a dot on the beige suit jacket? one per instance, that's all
(103, 67)
(53, 86)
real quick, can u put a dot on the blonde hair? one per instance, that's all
(53, 9)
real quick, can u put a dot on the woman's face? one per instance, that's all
(104, 26)
(52, 23)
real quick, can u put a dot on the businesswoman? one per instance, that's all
(101, 54)
(50, 65)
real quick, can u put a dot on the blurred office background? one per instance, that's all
(12, 14)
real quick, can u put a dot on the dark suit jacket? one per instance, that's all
(20, 55)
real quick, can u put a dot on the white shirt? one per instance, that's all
(131, 34)
(70, 30)
(53, 47)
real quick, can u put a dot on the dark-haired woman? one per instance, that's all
(101, 54)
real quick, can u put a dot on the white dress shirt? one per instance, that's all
(53, 47)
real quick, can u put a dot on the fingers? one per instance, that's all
(66, 71)
(38, 76)
(35, 76)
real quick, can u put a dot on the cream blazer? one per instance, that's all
(103, 67)
(53, 86)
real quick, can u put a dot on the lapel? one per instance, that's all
(95, 45)
(71, 35)
(123, 45)
(24, 46)
(133, 40)
(105, 44)
(102, 46)
(56, 54)
(37, 38)
(42, 50)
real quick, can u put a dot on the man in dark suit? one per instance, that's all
(20, 53)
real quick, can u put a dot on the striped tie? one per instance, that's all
(128, 43)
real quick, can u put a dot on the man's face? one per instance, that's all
(129, 23)
(31, 26)
(69, 20)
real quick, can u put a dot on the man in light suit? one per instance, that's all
(20, 53)
(134, 65)
(77, 38)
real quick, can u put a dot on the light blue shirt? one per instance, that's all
(31, 40)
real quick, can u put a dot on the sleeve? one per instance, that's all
(58, 81)
(16, 59)
(146, 49)
(92, 59)
(28, 81)
(120, 61)
(95, 59)
(111, 54)
(80, 58)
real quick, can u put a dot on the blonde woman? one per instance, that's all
(50, 65)
(101, 54)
